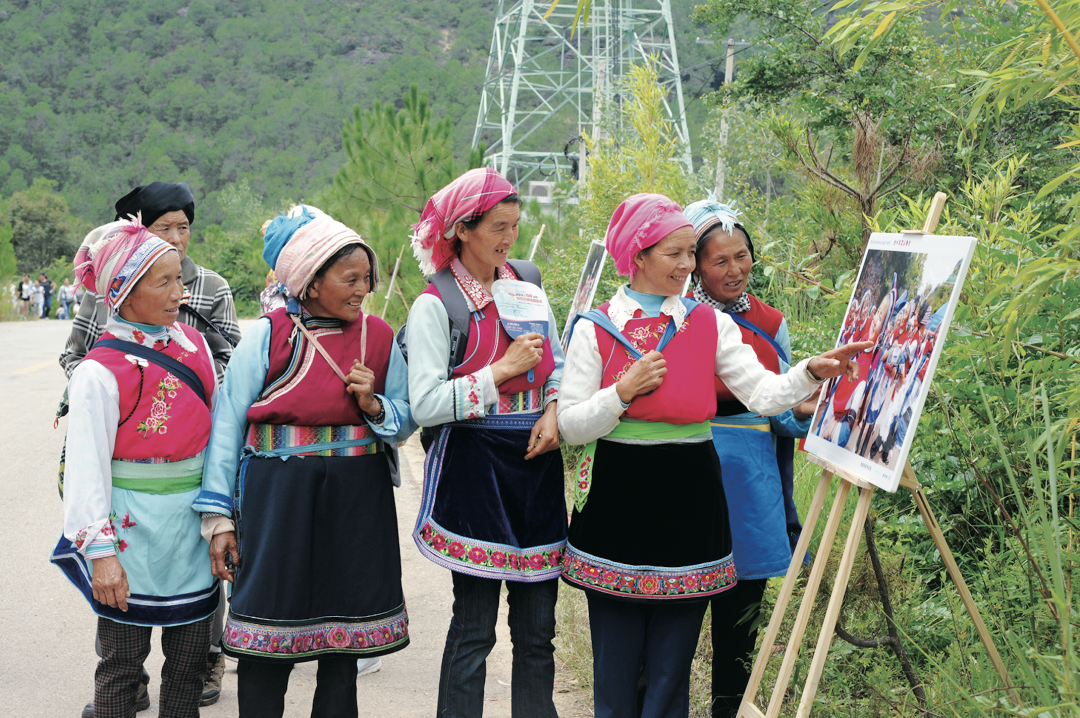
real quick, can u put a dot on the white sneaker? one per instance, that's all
(364, 666)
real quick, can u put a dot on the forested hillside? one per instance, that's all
(100, 96)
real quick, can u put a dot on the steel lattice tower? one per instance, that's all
(543, 88)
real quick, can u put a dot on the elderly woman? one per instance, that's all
(493, 507)
(139, 423)
(298, 495)
(168, 211)
(756, 452)
(649, 540)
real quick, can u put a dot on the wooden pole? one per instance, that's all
(791, 653)
(389, 289)
(832, 613)
(782, 600)
(536, 242)
(911, 482)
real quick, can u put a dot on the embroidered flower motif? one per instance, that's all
(477, 555)
(456, 549)
(138, 336)
(159, 408)
(658, 583)
(338, 637)
(439, 542)
(498, 558)
(122, 545)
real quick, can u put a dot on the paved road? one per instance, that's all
(48, 663)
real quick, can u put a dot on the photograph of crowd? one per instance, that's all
(903, 302)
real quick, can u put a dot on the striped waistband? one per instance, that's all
(288, 440)
(532, 400)
(730, 425)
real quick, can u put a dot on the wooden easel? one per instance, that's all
(866, 492)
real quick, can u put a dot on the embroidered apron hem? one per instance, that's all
(299, 641)
(593, 573)
(485, 559)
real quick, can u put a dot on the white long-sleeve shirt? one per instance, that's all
(94, 400)
(586, 412)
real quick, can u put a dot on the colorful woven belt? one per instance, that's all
(285, 439)
(521, 401)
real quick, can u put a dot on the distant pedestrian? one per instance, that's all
(48, 288)
(37, 298)
(25, 293)
(66, 295)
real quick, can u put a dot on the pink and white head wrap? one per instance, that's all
(299, 243)
(114, 257)
(638, 223)
(434, 238)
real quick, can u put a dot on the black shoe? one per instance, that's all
(142, 698)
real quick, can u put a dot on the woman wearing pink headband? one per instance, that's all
(493, 507)
(139, 423)
(649, 540)
(298, 493)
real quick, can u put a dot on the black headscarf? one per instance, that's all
(156, 199)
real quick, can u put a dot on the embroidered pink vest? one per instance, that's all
(686, 395)
(768, 319)
(488, 343)
(301, 388)
(167, 420)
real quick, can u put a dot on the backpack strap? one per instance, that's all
(526, 271)
(458, 311)
(181, 372)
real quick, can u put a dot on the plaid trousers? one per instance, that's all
(124, 648)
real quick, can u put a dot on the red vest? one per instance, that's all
(166, 420)
(686, 395)
(768, 319)
(488, 343)
(301, 389)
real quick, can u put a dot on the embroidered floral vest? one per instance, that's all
(488, 343)
(301, 388)
(165, 419)
(768, 319)
(686, 395)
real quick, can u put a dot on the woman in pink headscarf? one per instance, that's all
(493, 507)
(139, 424)
(649, 540)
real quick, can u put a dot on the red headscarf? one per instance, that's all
(434, 241)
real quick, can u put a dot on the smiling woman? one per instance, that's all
(319, 379)
(493, 505)
(141, 400)
(639, 392)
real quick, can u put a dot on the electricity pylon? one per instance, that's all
(544, 89)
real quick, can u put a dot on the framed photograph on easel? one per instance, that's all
(586, 289)
(904, 298)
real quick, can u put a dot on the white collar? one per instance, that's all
(621, 308)
(122, 330)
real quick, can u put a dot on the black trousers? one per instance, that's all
(735, 615)
(261, 687)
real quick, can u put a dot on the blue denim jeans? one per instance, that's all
(627, 633)
(472, 636)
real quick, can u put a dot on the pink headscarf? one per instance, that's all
(114, 257)
(434, 240)
(305, 249)
(639, 222)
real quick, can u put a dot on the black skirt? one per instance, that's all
(654, 526)
(321, 567)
